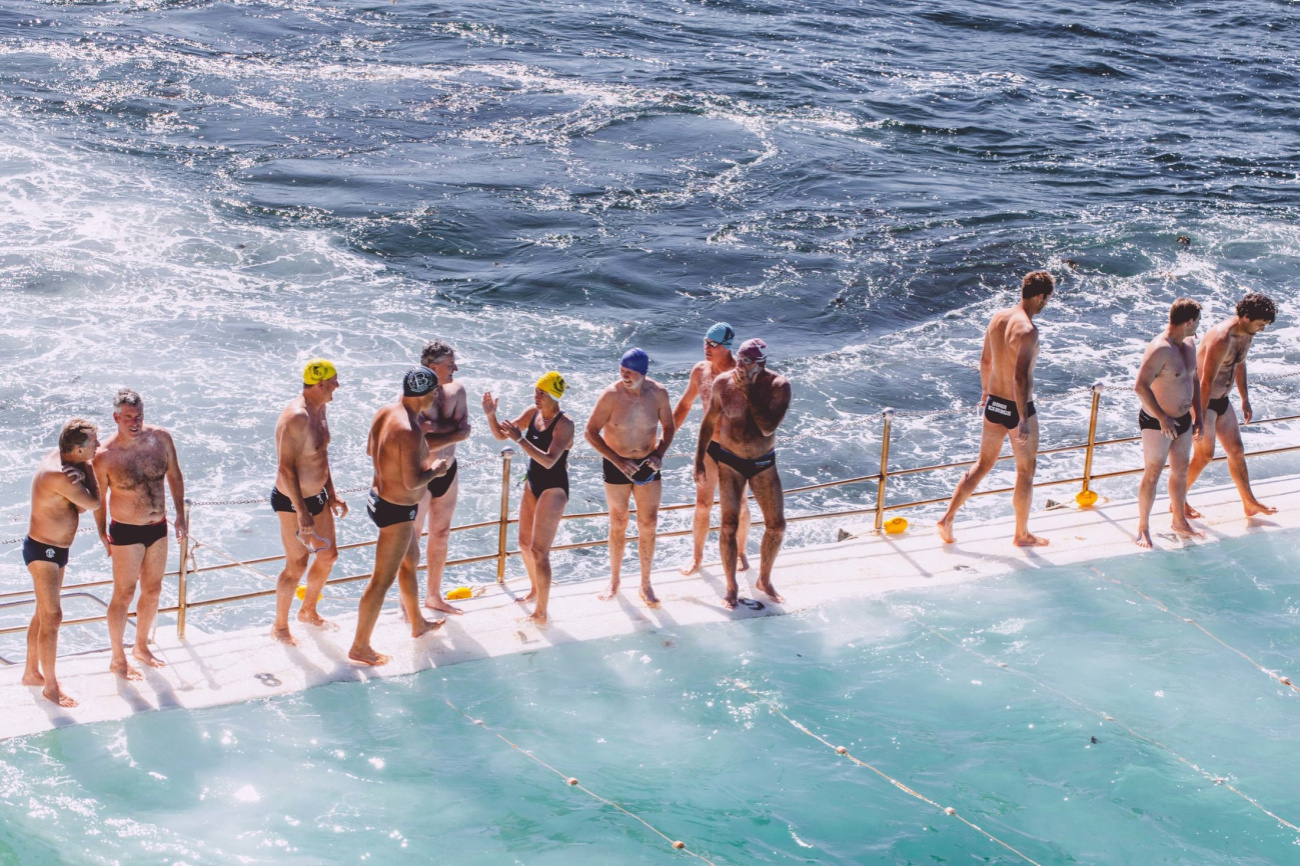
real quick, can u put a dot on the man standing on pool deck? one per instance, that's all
(717, 362)
(131, 466)
(739, 432)
(1170, 417)
(403, 469)
(623, 428)
(1007, 382)
(1221, 363)
(444, 425)
(63, 487)
(303, 497)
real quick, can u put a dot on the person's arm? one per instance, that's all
(417, 473)
(683, 407)
(986, 366)
(289, 441)
(79, 487)
(336, 503)
(666, 421)
(1154, 361)
(1208, 364)
(449, 431)
(176, 481)
(561, 441)
(1240, 379)
(712, 413)
(101, 512)
(768, 414)
(596, 423)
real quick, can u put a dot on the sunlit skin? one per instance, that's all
(444, 425)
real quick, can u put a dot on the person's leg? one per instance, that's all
(616, 498)
(1155, 449)
(295, 563)
(391, 548)
(648, 497)
(1229, 435)
(731, 490)
(742, 536)
(527, 520)
(704, 491)
(766, 488)
(990, 445)
(1026, 454)
(550, 508)
(322, 563)
(1202, 454)
(408, 586)
(152, 568)
(1180, 454)
(441, 511)
(127, 560)
(47, 581)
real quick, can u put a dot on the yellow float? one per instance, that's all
(1086, 498)
(301, 592)
(895, 525)
(460, 592)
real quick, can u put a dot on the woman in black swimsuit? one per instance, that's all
(545, 434)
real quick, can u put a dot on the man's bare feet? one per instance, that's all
(434, 602)
(1255, 508)
(1030, 540)
(648, 596)
(945, 531)
(367, 656)
(688, 570)
(742, 563)
(56, 696)
(1143, 539)
(125, 671)
(1184, 529)
(767, 589)
(729, 600)
(144, 654)
(423, 627)
(1188, 511)
(283, 636)
(609, 594)
(523, 599)
(537, 619)
(33, 679)
(313, 618)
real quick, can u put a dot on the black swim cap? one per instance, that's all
(419, 381)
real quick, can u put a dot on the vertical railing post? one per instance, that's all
(1092, 435)
(507, 454)
(888, 419)
(182, 583)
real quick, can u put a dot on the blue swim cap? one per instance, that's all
(721, 333)
(636, 360)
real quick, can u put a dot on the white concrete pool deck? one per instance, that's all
(211, 669)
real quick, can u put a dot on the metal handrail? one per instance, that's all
(504, 520)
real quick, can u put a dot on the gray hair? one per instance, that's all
(127, 397)
(434, 353)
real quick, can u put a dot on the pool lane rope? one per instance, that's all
(1286, 681)
(844, 752)
(573, 782)
(1219, 781)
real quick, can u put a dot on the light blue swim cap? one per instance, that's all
(636, 360)
(721, 333)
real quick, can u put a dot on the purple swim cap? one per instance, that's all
(754, 349)
(636, 360)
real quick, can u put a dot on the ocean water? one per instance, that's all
(992, 699)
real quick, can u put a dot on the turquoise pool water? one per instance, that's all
(388, 772)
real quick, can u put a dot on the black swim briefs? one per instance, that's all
(614, 475)
(748, 467)
(1147, 422)
(439, 486)
(315, 504)
(39, 551)
(1000, 410)
(385, 513)
(1219, 405)
(126, 534)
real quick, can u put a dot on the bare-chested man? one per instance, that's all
(303, 497)
(1170, 417)
(624, 430)
(444, 425)
(739, 433)
(403, 469)
(63, 487)
(1221, 364)
(1007, 382)
(131, 467)
(717, 361)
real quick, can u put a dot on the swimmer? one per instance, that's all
(131, 468)
(624, 430)
(1007, 383)
(63, 487)
(739, 432)
(545, 434)
(1221, 364)
(1170, 418)
(304, 499)
(403, 469)
(717, 361)
(445, 424)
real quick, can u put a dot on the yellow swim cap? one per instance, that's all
(552, 383)
(317, 371)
